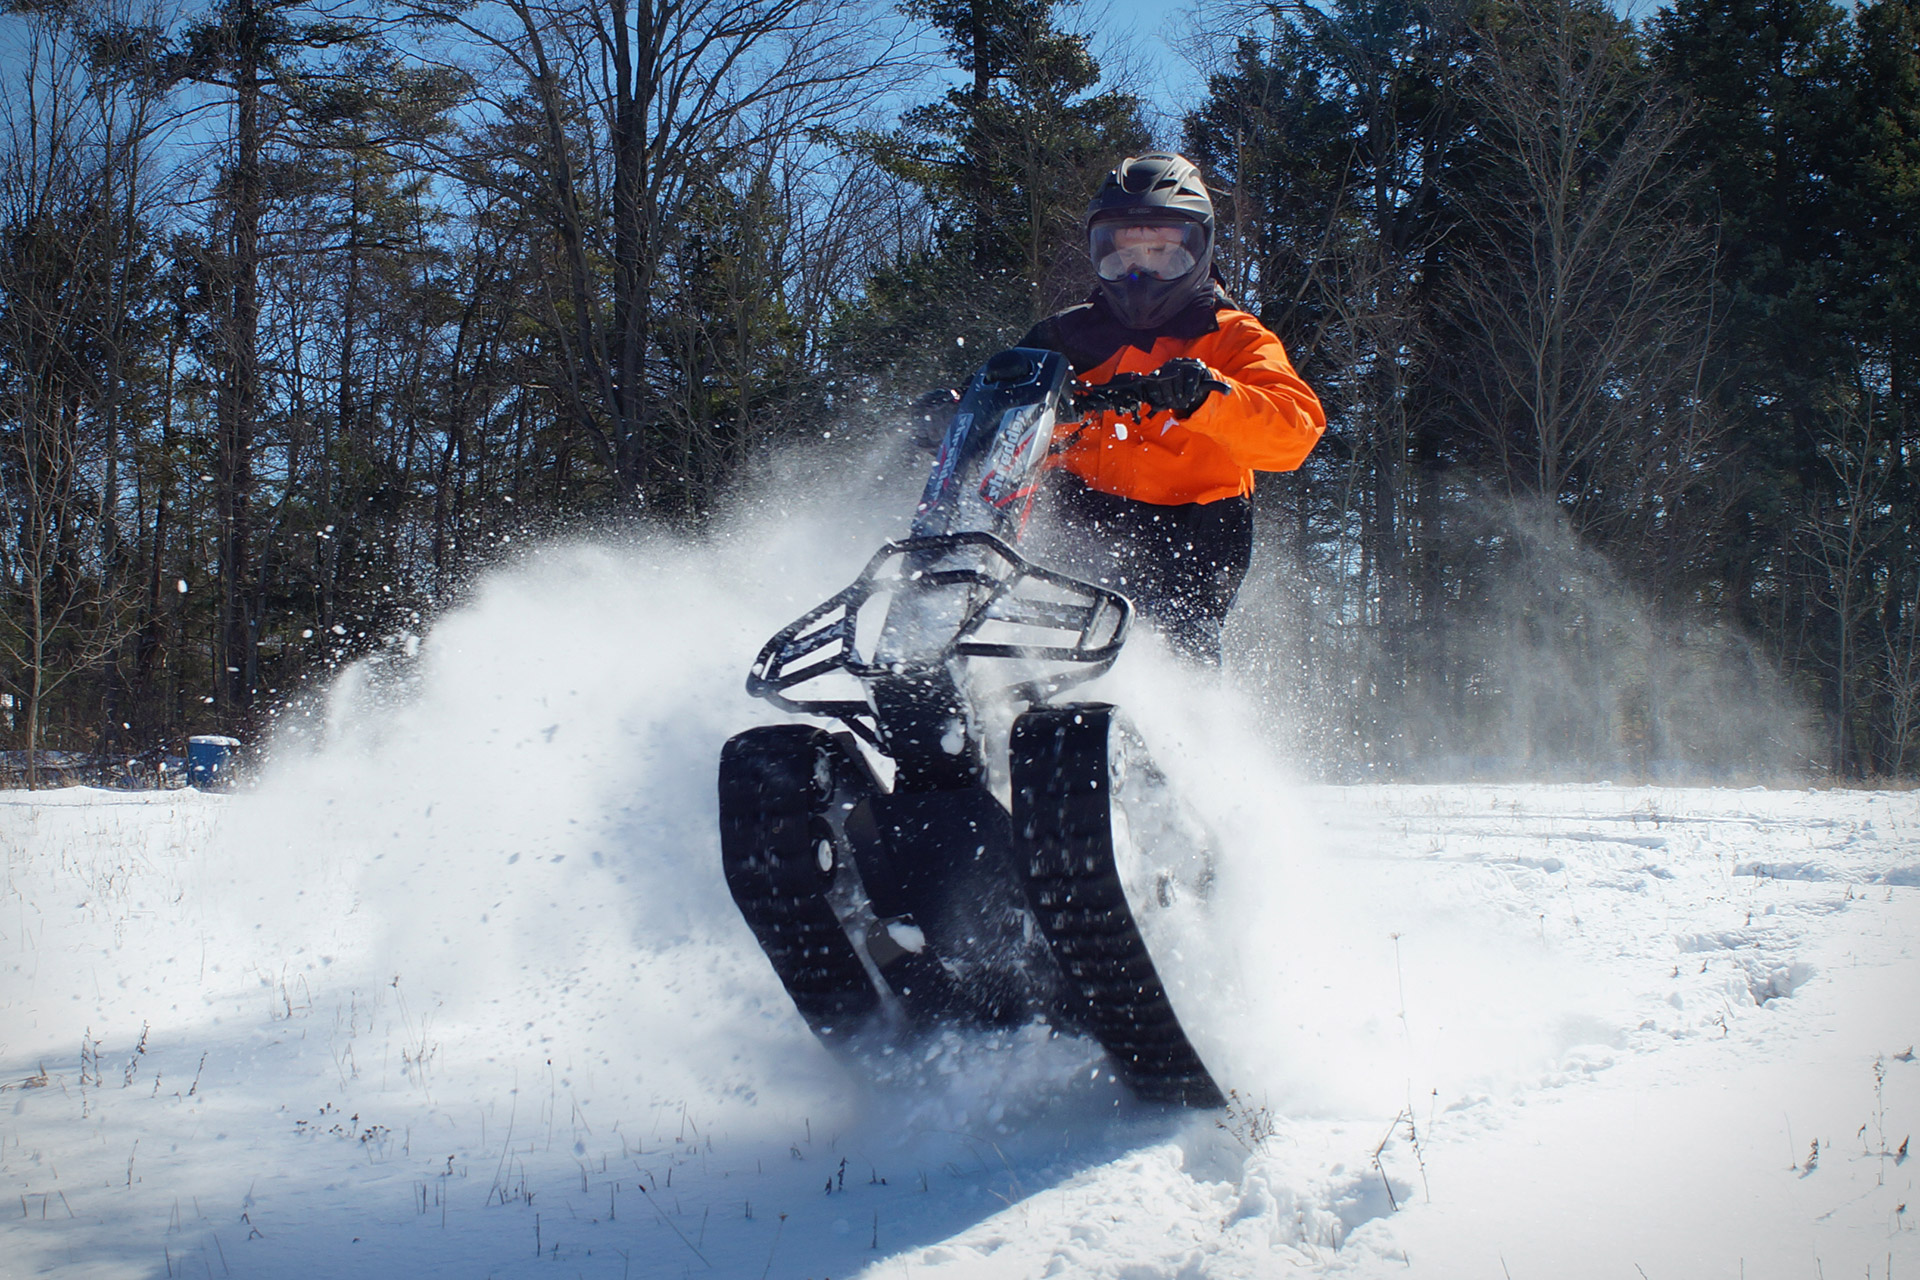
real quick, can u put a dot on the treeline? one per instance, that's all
(307, 311)
(1616, 324)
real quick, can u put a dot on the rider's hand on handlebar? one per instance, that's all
(1186, 385)
(1179, 387)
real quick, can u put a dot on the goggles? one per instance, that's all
(1160, 250)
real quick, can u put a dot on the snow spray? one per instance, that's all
(513, 820)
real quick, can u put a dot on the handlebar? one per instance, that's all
(1124, 392)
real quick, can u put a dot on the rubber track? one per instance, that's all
(1064, 833)
(770, 818)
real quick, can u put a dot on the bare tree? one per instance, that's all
(1584, 299)
(1842, 535)
(1332, 153)
(611, 121)
(1900, 686)
(64, 614)
(73, 142)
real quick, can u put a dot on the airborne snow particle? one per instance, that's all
(910, 937)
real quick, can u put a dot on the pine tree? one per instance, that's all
(1005, 164)
(260, 52)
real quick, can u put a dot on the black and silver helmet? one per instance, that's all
(1150, 235)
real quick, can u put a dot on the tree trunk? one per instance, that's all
(238, 394)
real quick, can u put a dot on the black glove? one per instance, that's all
(1183, 385)
(930, 415)
(1179, 387)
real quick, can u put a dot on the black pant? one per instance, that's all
(1180, 565)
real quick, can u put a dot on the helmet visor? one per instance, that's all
(1157, 250)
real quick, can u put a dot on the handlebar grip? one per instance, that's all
(1125, 391)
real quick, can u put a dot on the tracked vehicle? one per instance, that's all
(968, 849)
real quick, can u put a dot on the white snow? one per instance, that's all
(908, 937)
(458, 990)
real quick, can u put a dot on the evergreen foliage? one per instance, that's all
(1003, 164)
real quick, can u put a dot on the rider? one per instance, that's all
(1163, 497)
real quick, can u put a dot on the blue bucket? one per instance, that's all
(210, 761)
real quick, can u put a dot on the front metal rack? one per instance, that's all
(824, 640)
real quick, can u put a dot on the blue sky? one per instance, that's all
(1151, 25)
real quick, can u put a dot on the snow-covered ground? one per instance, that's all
(458, 990)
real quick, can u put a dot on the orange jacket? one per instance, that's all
(1268, 421)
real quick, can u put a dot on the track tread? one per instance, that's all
(1063, 828)
(770, 809)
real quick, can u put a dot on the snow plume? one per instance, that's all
(526, 806)
(457, 988)
(1321, 980)
(1549, 662)
(514, 818)
(499, 846)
